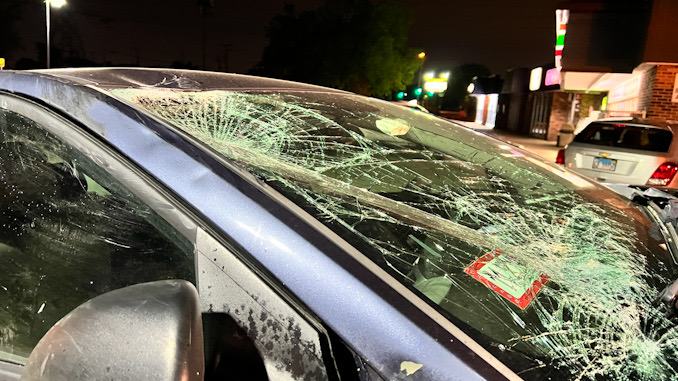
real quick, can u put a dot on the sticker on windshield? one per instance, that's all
(504, 275)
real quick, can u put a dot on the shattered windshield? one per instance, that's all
(552, 274)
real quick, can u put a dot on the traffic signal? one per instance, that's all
(400, 95)
(418, 91)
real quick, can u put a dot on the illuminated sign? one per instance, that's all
(535, 78)
(562, 16)
(492, 110)
(435, 85)
(2, 63)
(552, 77)
(480, 108)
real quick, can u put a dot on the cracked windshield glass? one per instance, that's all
(553, 275)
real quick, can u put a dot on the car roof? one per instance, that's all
(173, 79)
(641, 122)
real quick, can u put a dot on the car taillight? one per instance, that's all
(663, 175)
(560, 159)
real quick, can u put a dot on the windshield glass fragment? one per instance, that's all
(551, 274)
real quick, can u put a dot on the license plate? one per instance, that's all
(604, 164)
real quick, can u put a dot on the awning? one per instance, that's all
(592, 82)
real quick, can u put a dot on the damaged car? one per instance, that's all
(169, 224)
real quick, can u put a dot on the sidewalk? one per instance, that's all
(541, 147)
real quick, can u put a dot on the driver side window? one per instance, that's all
(69, 232)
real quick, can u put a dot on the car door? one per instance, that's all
(78, 220)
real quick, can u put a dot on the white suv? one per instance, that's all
(635, 152)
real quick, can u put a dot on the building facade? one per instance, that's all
(611, 58)
(626, 53)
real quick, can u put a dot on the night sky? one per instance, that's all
(500, 34)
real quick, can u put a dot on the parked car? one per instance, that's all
(169, 224)
(636, 152)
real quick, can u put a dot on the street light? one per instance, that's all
(48, 4)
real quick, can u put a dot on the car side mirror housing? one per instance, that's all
(149, 331)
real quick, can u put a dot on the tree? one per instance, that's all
(460, 77)
(347, 44)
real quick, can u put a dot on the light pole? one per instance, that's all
(48, 4)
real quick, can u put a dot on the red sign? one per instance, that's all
(505, 276)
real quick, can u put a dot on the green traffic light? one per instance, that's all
(417, 91)
(401, 95)
(430, 93)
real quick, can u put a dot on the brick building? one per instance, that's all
(661, 100)
(624, 51)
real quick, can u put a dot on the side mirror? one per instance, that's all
(149, 331)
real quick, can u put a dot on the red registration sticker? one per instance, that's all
(504, 275)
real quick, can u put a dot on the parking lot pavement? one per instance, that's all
(541, 147)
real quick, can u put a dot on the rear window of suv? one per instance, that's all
(626, 136)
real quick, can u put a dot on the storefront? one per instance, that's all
(545, 101)
(486, 93)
